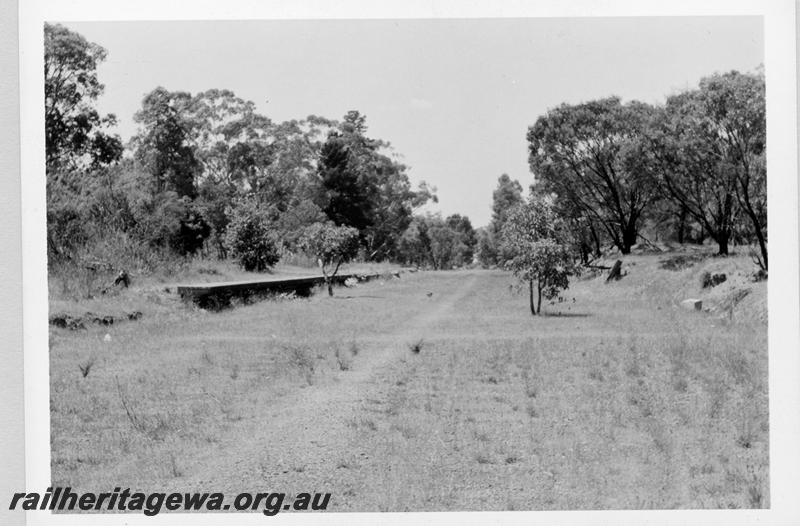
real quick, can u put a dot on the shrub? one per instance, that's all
(251, 239)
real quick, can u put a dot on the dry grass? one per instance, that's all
(624, 401)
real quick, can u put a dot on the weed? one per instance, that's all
(207, 359)
(86, 366)
(482, 458)
(343, 360)
(301, 358)
(177, 472)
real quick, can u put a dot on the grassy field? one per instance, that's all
(617, 398)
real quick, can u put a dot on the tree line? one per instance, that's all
(207, 173)
(689, 170)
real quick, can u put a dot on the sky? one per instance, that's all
(454, 97)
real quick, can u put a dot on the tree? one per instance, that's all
(506, 196)
(346, 199)
(332, 245)
(735, 111)
(535, 238)
(251, 238)
(591, 154)
(163, 144)
(690, 168)
(466, 238)
(73, 127)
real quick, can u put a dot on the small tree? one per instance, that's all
(331, 245)
(250, 238)
(535, 239)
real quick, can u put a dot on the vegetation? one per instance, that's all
(206, 174)
(696, 163)
(331, 246)
(534, 237)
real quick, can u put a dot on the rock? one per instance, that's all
(692, 304)
(107, 338)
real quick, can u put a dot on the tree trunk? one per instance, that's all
(681, 224)
(539, 307)
(530, 287)
(330, 286)
(722, 241)
(596, 238)
(629, 235)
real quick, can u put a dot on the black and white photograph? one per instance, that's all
(386, 264)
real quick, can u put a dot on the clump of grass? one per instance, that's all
(177, 471)
(512, 459)
(207, 358)
(482, 458)
(354, 348)
(86, 366)
(155, 431)
(343, 359)
(416, 346)
(301, 358)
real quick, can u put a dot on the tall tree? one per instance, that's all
(73, 127)
(163, 143)
(734, 107)
(686, 158)
(591, 154)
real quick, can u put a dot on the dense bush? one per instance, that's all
(251, 238)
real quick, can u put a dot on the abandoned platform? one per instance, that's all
(220, 294)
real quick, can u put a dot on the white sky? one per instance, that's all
(454, 97)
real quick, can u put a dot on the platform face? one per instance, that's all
(206, 289)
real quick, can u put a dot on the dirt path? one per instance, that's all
(299, 443)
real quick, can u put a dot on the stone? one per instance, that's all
(692, 304)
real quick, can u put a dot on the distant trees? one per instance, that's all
(536, 240)
(506, 196)
(438, 243)
(331, 245)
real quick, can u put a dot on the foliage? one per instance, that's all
(506, 196)
(332, 245)
(591, 154)
(536, 239)
(162, 145)
(442, 244)
(73, 127)
(251, 238)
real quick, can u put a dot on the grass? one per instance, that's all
(636, 403)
